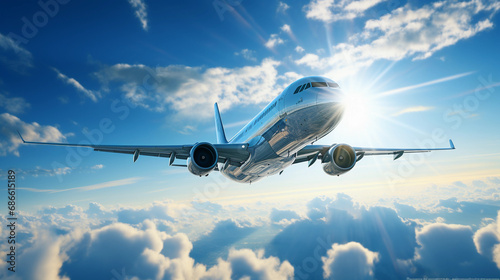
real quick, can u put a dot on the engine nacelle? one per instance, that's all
(202, 159)
(339, 159)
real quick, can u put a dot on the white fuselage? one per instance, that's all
(287, 124)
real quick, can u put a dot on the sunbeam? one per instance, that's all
(433, 82)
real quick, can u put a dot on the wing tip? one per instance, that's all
(219, 127)
(452, 146)
(20, 136)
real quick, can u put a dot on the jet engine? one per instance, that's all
(339, 159)
(202, 159)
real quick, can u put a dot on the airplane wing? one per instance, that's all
(237, 154)
(312, 152)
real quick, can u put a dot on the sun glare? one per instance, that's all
(360, 112)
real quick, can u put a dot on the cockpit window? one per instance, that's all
(302, 88)
(318, 84)
(314, 84)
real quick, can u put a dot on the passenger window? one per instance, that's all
(333, 85)
(297, 90)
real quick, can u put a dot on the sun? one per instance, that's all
(361, 111)
(356, 110)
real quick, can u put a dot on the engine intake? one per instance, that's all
(339, 159)
(202, 159)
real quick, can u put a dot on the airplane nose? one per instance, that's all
(329, 95)
(330, 105)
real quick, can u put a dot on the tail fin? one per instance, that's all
(219, 129)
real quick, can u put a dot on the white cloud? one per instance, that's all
(485, 240)
(157, 210)
(310, 59)
(21, 60)
(10, 141)
(405, 32)
(319, 10)
(14, 105)
(247, 54)
(428, 29)
(246, 264)
(97, 166)
(282, 7)
(277, 215)
(44, 258)
(185, 89)
(299, 49)
(8, 44)
(273, 41)
(55, 171)
(436, 238)
(286, 28)
(496, 255)
(361, 5)
(140, 12)
(68, 211)
(330, 10)
(349, 261)
(449, 249)
(341, 220)
(93, 95)
(38, 171)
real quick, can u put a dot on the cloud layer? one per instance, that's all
(338, 239)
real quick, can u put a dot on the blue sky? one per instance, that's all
(148, 72)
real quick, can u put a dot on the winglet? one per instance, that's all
(20, 136)
(219, 129)
(452, 146)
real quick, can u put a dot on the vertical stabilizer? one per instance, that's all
(219, 129)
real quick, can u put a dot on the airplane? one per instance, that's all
(282, 134)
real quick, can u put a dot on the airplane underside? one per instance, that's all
(275, 149)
